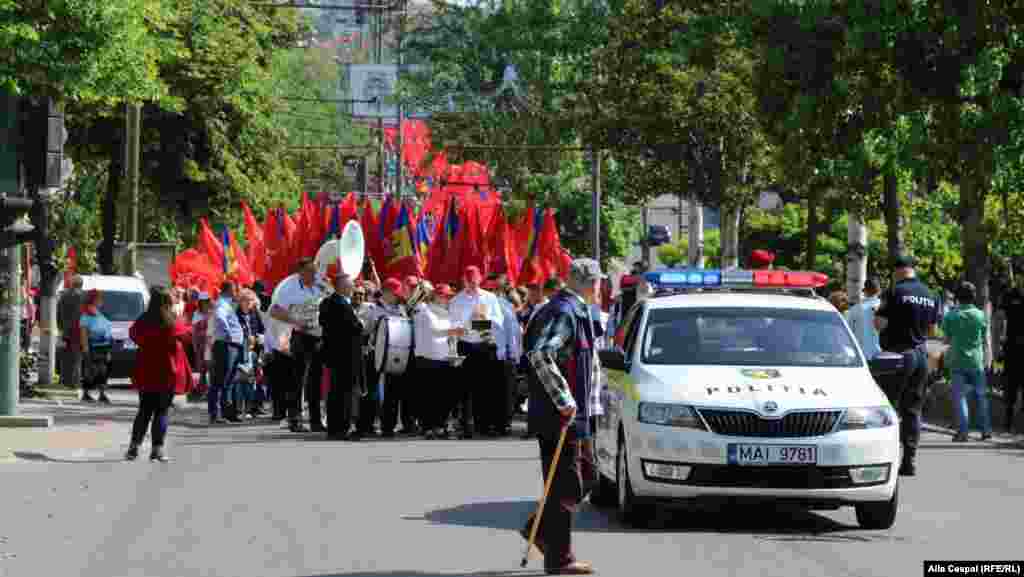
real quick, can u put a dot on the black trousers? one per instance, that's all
(565, 496)
(484, 374)
(369, 406)
(433, 384)
(307, 366)
(342, 402)
(911, 399)
(399, 403)
(279, 372)
(153, 408)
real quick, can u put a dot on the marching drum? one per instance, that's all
(393, 345)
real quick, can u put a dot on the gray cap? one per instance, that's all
(585, 270)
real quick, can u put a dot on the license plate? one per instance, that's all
(747, 454)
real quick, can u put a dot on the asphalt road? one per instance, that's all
(254, 500)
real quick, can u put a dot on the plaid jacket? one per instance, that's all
(559, 347)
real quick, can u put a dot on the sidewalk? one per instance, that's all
(79, 432)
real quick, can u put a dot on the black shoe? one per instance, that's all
(87, 398)
(960, 438)
(388, 434)
(337, 436)
(235, 419)
(278, 417)
(986, 436)
(355, 437)
(297, 428)
(104, 399)
(217, 421)
(158, 455)
(908, 470)
(466, 436)
(132, 454)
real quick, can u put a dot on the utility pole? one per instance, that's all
(399, 171)
(645, 246)
(133, 128)
(696, 233)
(378, 58)
(10, 329)
(595, 203)
(53, 180)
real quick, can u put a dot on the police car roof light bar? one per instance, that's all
(738, 278)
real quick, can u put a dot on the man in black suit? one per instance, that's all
(343, 355)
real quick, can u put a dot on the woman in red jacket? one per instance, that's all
(161, 369)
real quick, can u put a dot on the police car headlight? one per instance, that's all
(670, 415)
(868, 418)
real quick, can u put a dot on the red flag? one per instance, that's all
(194, 268)
(548, 245)
(236, 264)
(368, 221)
(445, 257)
(403, 261)
(564, 262)
(257, 248)
(471, 240)
(71, 268)
(208, 242)
(277, 237)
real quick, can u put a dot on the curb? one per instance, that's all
(937, 429)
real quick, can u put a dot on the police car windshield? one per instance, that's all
(748, 336)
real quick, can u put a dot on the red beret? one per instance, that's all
(444, 290)
(489, 285)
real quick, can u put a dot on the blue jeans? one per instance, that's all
(972, 382)
(222, 380)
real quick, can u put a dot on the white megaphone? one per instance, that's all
(348, 252)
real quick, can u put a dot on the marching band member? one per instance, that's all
(343, 354)
(304, 365)
(369, 404)
(509, 341)
(481, 368)
(394, 389)
(432, 330)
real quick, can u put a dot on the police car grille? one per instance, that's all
(745, 424)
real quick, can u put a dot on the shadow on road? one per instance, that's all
(510, 516)
(41, 458)
(519, 573)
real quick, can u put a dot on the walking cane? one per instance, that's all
(547, 489)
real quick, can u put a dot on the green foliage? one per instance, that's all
(677, 253)
(90, 50)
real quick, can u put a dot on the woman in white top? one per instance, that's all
(434, 372)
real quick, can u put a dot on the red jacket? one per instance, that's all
(161, 365)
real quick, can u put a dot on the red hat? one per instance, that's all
(444, 290)
(394, 286)
(412, 281)
(472, 274)
(489, 285)
(761, 258)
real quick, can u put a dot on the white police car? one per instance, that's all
(742, 386)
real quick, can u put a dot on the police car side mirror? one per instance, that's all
(612, 359)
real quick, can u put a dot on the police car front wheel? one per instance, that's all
(880, 514)
(630, 512)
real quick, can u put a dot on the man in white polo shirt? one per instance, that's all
(305, 363)
(482, 398)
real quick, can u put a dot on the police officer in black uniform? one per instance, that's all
(908, 315)
(1013, 347)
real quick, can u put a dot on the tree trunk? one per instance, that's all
(48, 278)
(730, 235)
(893, 216)
(975, 245)
(813, 226)
(696, 233)
(106, 252)
(856, 257)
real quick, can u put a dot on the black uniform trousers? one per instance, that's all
(480, 388)
(369, 406)
(555, 531)
(434, 385)
(910, 399)
(342, 402)
(307, 367)
(1013, 381)
(398, 404)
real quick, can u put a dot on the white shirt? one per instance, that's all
(861, 319)
(431, 331)
(462, 307)
(294, 292)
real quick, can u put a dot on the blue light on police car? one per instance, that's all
(685, 278)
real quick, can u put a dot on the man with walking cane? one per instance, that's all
(559, 344)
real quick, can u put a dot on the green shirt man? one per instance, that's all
(965, 328)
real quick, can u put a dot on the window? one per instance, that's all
(632, 325)
(753, 337)
(122, 306)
